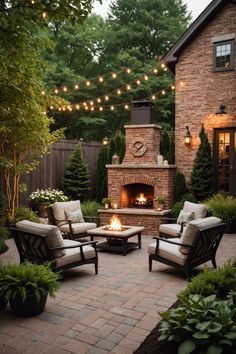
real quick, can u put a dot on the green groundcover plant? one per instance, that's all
(202, 325)
(219, 281)
(28, 279)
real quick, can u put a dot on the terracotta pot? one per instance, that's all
(42, 209)
(29, 307)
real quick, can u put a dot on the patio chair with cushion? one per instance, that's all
(40, 243)
(172, 227)
(67, 216)
(197, 244)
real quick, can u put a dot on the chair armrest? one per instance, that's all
(173, 242)
(168, 220)
(75, 246)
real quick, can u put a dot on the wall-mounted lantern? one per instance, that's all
(105, 141)
(188, 136)
(221, 109)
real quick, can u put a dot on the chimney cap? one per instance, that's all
(144, 103)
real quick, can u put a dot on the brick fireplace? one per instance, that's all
(134, 183)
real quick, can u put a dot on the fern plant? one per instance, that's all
(28, 279)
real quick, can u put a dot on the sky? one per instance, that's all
(195, 6)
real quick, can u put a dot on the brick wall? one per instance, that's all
(203, 90)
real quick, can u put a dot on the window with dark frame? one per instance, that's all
(224, 55)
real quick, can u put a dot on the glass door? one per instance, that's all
(225, 160)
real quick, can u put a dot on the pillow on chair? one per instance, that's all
(185, 217)
(74, 216)
(59, 209)
(199, 210)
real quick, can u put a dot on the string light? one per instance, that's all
(181, 83)
(114, 75)
(91, 103)
(128, 70)
(99, 100)
(126, 106)
(77, 106)
(64, 88)
(118, 92)
(112, 108)
(128, 87)
(51, 107)
(86, 107)
(106, 98)
(76, 86)
(44, 14)
(100, 108)
(163, 92)
(92, 108)
(100, 79)
(88, 83)
(145, 77)
(138, 82)
(163, 65)
(155, 70)
(84, 104)
(153, 97)
(32, 2)
(42, 93)
(56, 91)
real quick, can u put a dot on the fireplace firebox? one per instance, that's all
(137, 195)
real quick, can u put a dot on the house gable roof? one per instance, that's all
(201, 21)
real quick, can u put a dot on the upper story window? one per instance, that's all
(224, 55)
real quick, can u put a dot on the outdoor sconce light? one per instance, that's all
(187, 137)
(105, 141)
(221, 109)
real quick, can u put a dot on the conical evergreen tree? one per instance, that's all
(180, 186)
(202, 175)
(117, 146)
(76, 176)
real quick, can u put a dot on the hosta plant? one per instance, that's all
(202, 325)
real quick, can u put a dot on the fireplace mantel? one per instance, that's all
(138, 166)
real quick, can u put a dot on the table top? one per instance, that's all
(127, 231)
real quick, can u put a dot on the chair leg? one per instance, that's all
(213, 261)
(150, 263)
(96, 267)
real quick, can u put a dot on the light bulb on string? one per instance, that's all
(126, 106)
(91, 103)
(64, 88)
(88, 83)
(145, 77)
(51, 107)
(163, 65)
(99, 100)
(32, 2)
(118, 92)
(106, 98)
(114, 75)
(112, 108)
(165, 69)
(128, 87)
(59, 109)
(44, 14)
(76, 86)
(100, 79)
(56, 91)
(77, 106)
(92, 108)
(100, 108)
(155, 70)
(172, 87)
(163, 92)
(84, 104)
(181, 83)
(153, 97)
(86, 108)
(42, 93)
(138, 82)
(128, 70)
(64, 108)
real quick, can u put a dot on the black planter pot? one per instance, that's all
(3, 304)
(30, 307)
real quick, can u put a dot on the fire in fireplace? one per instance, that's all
(137, 195)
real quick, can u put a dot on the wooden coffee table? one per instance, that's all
(117, 240)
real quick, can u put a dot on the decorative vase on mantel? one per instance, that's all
(42, 209)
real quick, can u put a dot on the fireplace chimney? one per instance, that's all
(142, 113)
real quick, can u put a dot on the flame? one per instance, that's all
(115, 224)
(141, 199)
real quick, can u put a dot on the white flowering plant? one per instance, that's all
(48, 195)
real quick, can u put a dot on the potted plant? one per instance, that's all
(160, 201)
(27, 286)
(106, 202)
(42, 198)
(223, 207)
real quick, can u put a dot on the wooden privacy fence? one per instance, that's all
(51, 168)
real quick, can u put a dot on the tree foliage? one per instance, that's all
(202, 175)
(25, 128)
(76, 176)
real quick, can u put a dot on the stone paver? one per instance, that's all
(111, 312)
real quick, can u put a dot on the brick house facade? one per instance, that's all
(201, 88)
